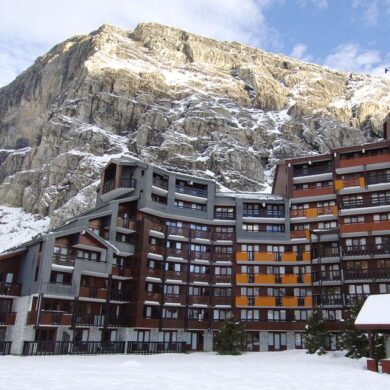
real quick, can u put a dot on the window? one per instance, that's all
(250, 315)
(354, 219)
(224, 212)
(87, 255)
(221, 315)
(276, 315)
(171, 313)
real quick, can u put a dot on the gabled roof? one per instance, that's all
(375, 313)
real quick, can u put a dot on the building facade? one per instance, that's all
(165, 258)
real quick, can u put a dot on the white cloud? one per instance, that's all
(322, 4)
(369, 11)
(43, 23)
(350, 57)
(300, 51)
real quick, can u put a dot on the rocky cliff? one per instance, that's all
(218, 109)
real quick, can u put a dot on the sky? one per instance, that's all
(349, 35)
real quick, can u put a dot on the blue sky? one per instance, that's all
(351, 35)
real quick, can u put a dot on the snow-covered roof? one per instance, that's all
(375, 313)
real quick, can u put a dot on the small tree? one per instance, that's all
(316, 336)
(230, 340)
(356, 341)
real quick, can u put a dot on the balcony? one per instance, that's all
(327, 276)
(178, 231)
(152, 296)
(222, 278)
(365, 227)
(67, 260)
(265, 279)
(365, 202)
(289, 301)
(154, 273)
(299, 234)
(225, 215)
(199, 277)
(125, 223)
(119, 295)
(313, 212)
(121, 270)
(312, 170)
(155, 347)
(224, 236)
(110, 185)
(364, 160)
(199, 255)
(160, 183)
(156, 249)
(347, 183)
(202, 234)
(7, 318)
(12, 289)
(227, 256)
(198, 300)
(325, 252)
(328, 300)
(289, 279)
(366, 250)
(174, 252)
(314, 191)
(175, 275)
(222, 301)
(378, 178)
(366, 274)
(93, 292)
(352, 299)
(89, 319)
(201, 193)
(54, 318)
(175, 298)
(263, 213)
(265, 301)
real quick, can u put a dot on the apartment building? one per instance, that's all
(163, 259)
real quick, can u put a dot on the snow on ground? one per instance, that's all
(292, 370)
(17, 226)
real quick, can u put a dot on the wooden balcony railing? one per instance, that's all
(93, 292)
(366, 274)
(12, 289)
(200, 300)
(154, 273)
(199, 277)
(156, 249)
(152, 296)
(7, 318)
(121, 270)
(63, 259)
(175, 298)
(224, 236)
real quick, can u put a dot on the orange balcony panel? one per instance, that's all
(289, 301)
(364, 160)
(307, 278)
(265, 279)
(264, 256)
(241, 278)
(338, 185)
(308, 301)
(289, 279)
(362, 182)
(306, 256)
(242, 256)
(241, 301)
(335, 210)
(311, 213)
(289, 256)
(265, 301)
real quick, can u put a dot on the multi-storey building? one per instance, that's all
(164, 257)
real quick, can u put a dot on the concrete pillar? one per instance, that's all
(263, 341)
(207, 341)
(20, 332)
(290, 340)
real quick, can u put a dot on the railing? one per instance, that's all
(89, 320)
(159, 250)
(93, 292)
(199, 277)
(157, 227)
(121, 270)
(366, 250)
(222, 300)
(34, 348)
(224, 215)
(153, 296)
(175, 298)
(160, 183)
(175, 275)
(351, 299)
(119, 295)
(326, 252)
(126, 223)
(10, 288)
(178, 231)
(312, 170)
(175, 252)
(198, 300)
(263, 213)
(351, 182)
(192, 191)
(365, 202)
(7, 318)
(327, 276)
(199, 255)
(108, 186)
(328, 300)
(63, 259)
(189, 206)
(5, 347)
(227, 256)
(154, 273)
(363, 274)
(378, 178)
(154, 347)
(201, 234)
(223, 278)
(224, 236)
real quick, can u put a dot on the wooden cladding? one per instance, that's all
(346, 183)
(364, 160)
(313, 212)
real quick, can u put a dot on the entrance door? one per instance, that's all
(197, 341)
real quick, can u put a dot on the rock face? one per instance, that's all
(217, 109)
